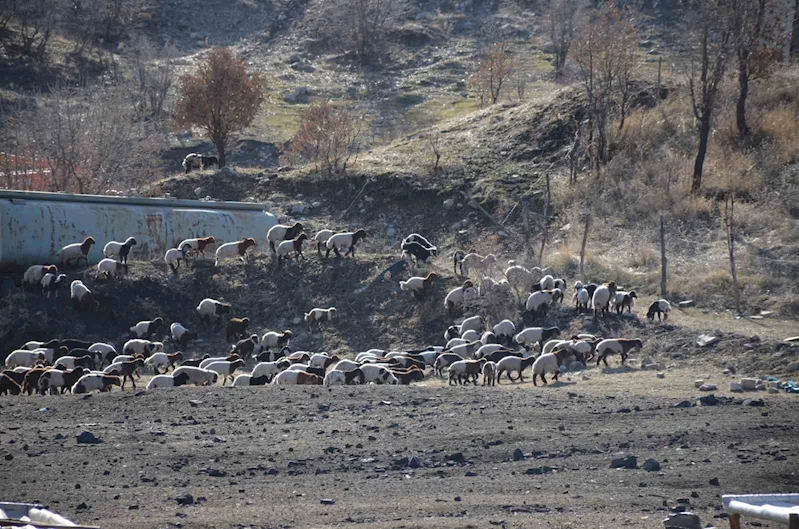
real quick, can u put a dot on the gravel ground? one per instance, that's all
(421, 456)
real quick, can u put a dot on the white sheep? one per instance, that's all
(173, 257)
(225, 368)
(31, 345)
(166, 381)
(581, 297)
(620, 346)
(551, 345)
(296, 377)
(532, 335)
(82, 298)
(547, 282)
(94, 382)
(659, 307)
(211, 309)
(76, 251)
(513, 364)
(197, 376)
(602, 297)
(542, 298)
(488, 337)
(276, 339)
(466, 350)
(546, 363)
(157, 361)
(113, 248)
(24, 358)
(378, 375)
(455, 341)
(282, 232)
(34, 274)
(142, 347)
(110, 268)
(196, 245)
(321, 238)
(320, 316)
(520, 278)
(50, 282)
(268, 369)
(489, 373)
(177, 330)
(487, 349)
(234, 249)
(210, 360)
(474, 323)
(346, 365)
(146, 328)
(478, 263)
(335, 378)
(347, 240)
(471, 335)
(504, 329)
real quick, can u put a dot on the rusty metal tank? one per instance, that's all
(34, 226)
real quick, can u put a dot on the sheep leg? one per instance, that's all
(300, 254)
(605, 360)
(534, 377)
(556, 375)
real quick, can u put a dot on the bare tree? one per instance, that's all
(36, 25)
(729, 228)
(605, 57)
(493, 70)
(434, 143)
(712, 40)
(153, 72)
(583, 245)
(220, 97)
(328, 136)
(361, 26)
(563, 18)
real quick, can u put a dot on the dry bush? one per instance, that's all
(564, 17)
(153, 70)
(360, 26)
(220, 97)
(329, 137)
(493, 71)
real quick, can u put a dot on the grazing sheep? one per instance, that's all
(24, 358)
(541, 299)
(461, 371)
(623, 300)
(504, 330)
(520, 278)
(270, 369)
(246, 346)
(620, 346)
(297, 377)
(445, 360)
(321, 238)
(225, 368)
(659, 307)
(211, 359)
(197, 376)
(583, 350)
(477, 263)
(285, 248)
(167, 381)
(173, 257)
(475, 323)
(51, 282)
(512, 364)
(126, 370)
(104, 350)
(378, 375)
(467, 350)
(211, 309)
(95, 382)
(72, 362)
(33, 344)
(9, 385)
(458, 296)
(418, 251)
(453, 331)
(276, 339)
(281, 232)
(195, 362)
(196, 245)
(546, 363)
(192, 161)
(181, 335)
(489, 337)
(335, 378)
(488, 349)
(581, 297)
(33, 276)
(270, 356)
(602, 297)
(57, 379)
(546, 283)
(109, 268)
(234, 249)
(236, 328)
(498, 355)
(419, 286)
(322, 360)
(119, 249)
(75, 252)
(82, 298)
(489, 374)
(142, 347)
(346, 240)
(146, 328)
(159, 360)
(408, 375)
(208, 161)
(531, 335)
(320, 316)
(417, 238)
(248, 380)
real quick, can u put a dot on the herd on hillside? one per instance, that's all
(472, 348)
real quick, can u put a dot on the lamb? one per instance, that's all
(234, 249)
(512, 364)
(281, 232)
(546, 283)
(541, 299)
(581, 296)
(583, 350)
(269, 369)
(246, 346)
(109, 268)
(225, 368)
(276, 339)
(146, 328)
(82, 298)
(196, 245)
(531, 335)
(445, 360)
(72, 362)
(9, 385)
(24, 358)
(126, 370)
(489, 374)
(75, 252)
(192, 161)
(520, 278)
(620, 346)
(197, 376)
(181, 335)
(297, 377)
(504, 330)
(321, 238)
(159, 360)
(95, 382)
(659, 307)
(479, 263)
(418, 251)
(142, 347)
(55, 379)
(173, 257)
(462, 370)
(119, 249)
(167, 381)
(457, 296)
(475, 323)
(51, 282)
(236, 328)
(285, 248)
(419, 286)
(320, 316)
(34, 274)
(602, 297)
(344, 240)
(210, 309)
(378, 375)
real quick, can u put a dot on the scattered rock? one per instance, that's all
(660, 374)
(449, 203)
(708, 387)
(686, 303)
(414, 462)
(683, 404)
(749, 384)
(736, 387)
(187, 499)
(651, 465)
(714, 482)
(536, 471)
(88, 438)
(757, 403)
(8, 457)
(518, 455)
(683, 520)
(327, 501)
(698, 383)
(470, 474)
(706, 340)
(299, 96)
(709, 400)
(457, 457)
(624, 462)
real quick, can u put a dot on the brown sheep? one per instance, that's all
(9, 385)
(406, 376)
(245, 348)
(127, 370)
(236, 328)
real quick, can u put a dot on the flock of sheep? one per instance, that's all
(472, 349)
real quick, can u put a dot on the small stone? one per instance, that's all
(327, 501)
(518, 455)
(457, 457)
(736, 387)
(749, 384)
(651, 465)
(660, 374)
(629, 462)
(88, 438)
(683, 404)
(683, 520)
(188, 499)
(470, 474)
(709, 400)
(8, 457)
(706, 340)
(449, 203)
(457, 498)
(414, 462)
(81, 506)
(714, 482)
(708, 387)
(698, 383)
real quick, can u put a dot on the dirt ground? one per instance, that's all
(419, 456)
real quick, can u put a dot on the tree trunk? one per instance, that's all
(795, 31)
(546, 221)
(582, 247)
(740, 112)
(220, 149)
(663, 260)
(729, 214)
(699, 164)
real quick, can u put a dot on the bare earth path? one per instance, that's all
(267, 456)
